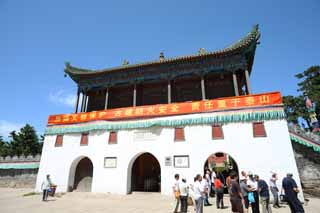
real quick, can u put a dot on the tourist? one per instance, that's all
(199, 193)
(254, 188)
(184, 192)
(235, 193)
(205, 186)
(228, 182)
(45, 186)
(243, 175)
(213, 176)
(291, 192)
(263, 190)
(176, 192)
(218, 185)
(245, 190)
(274, 190)
(208, 177)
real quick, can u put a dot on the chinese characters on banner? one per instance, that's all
(169, 109)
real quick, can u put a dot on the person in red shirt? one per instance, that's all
(218, 185)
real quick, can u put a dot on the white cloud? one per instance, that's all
(6, 127)
(61, 97)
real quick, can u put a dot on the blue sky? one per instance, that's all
(37, 37)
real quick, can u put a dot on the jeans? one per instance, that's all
(255, 205)
(199, 205)
(45, 195)
(274, 192)
(184, 204)
(206, 199)
(265, 204)
(219, 198)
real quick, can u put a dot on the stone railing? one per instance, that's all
(22, 158)
(305, 134)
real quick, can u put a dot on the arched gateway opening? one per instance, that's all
(81, 173)
(222, 164)
(145, 174)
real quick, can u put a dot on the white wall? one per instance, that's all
(259, 155)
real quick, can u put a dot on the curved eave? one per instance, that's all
(246, 43)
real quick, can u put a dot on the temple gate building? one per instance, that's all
(136, 125)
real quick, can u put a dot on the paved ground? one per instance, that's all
(12, 201)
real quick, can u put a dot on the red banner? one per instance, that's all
(169, 109)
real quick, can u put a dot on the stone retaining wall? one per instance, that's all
(18, 178)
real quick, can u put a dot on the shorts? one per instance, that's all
(236, 205)
(246, 202)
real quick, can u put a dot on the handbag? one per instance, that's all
(251, 197)
(190, 201)
(177, 194)
(283, 198)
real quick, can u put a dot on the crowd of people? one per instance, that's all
(245, 192)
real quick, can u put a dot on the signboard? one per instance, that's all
(169, 109)
(110, 162)
(168, 161)
(181, 161)
(146, 134)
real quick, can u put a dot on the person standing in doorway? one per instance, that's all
(235, 193)
(176, 192)
(199, 193)
(274, 190)
(291, 191)
(263, 190)
(184, 193)
(45, 186)
(253, 184)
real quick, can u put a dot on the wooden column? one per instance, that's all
(82, 102)
(169, 92)
(77, 102)
(248, 85)
(86, 104)
(203, 88)
(134, 95)
(235, 84)
(107, 97)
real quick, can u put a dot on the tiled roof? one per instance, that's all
(252, 37)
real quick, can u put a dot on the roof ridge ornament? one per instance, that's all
(161, 57)
(202, 51)
(125, 62)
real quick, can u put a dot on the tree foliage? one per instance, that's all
(25, 142)
(309, 86)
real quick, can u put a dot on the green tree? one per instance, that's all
(4, 147)
(25, 142)
(294, 108)
(310, 85)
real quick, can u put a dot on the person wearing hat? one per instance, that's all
(254, 188)
(184, 192)
(291, 191)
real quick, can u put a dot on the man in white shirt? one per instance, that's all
(198, 194)
(184, 192)
(254, 188)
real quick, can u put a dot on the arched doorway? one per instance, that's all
(222, 164)
(82, 179)
(146, 174)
